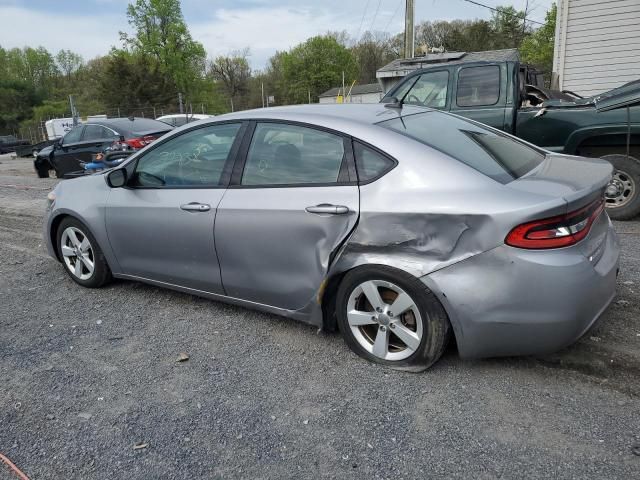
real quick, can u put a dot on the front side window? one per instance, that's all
(282, 154)
(193, 159)
(430, 90)
(73, 136)
(495, 154)
(478, 86)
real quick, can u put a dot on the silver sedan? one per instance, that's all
(399, 226)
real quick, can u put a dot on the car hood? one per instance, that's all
(46, 151)
(628, 95)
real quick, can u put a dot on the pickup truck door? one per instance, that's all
(484, 93)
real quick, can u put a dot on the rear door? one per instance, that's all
(161, 224)
(291, 203)
(481, 94)
(95, 139)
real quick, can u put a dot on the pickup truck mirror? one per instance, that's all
(117, 178)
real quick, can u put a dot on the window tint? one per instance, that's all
(370, 164)
(478, 86)
(495, 154)
(193, 159)
(73, 136)
(97, 132)
(430, 90)
(287, 154)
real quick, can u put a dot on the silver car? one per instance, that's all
(399, 226)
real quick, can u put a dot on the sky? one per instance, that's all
(90, 27)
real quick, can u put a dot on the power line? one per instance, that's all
(386, 28)
(375, 16)
(362, 20)
(500, 11)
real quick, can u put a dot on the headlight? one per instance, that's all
(51, 198)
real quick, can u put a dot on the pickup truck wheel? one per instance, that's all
(622, 196)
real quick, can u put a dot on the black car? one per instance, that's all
(9, 143)
(78, 146)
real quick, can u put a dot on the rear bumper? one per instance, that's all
(510, 301)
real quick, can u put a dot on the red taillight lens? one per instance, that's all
(140, 142)
(556, 232)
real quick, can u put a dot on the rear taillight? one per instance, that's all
(140, 141)
(556, 232)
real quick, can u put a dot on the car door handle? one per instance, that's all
(328, 208)
(195, 207)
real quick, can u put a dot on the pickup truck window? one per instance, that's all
(478, 86)
(488, 151)
(429, 90)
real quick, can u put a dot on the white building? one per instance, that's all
(597, 45)
(369, 93)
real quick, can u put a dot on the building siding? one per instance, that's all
(597, 45)
(360, 98)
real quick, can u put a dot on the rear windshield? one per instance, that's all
(496, 155)
(139, 126)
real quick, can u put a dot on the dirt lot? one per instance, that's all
(86, 375)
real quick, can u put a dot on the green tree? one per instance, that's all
(233, 72)
(68, 62)
(537, 48)
(161, 32)
(509, 27)
(315, 66)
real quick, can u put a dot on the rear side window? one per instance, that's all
(492, 153)
(73, 136)
(282, 154)
(370, 164)
(478, 86)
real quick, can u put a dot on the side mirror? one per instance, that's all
(117, 178)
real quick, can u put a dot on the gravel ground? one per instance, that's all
(87, 375)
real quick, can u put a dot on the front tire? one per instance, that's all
(622, 197)
(80, 254)
(390, 317)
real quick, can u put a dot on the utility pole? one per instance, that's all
(409, 35)
(180, 102)
(74, 112)
(262, 94)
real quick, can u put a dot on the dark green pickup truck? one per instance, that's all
(506, 95)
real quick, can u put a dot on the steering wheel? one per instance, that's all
(414, 99)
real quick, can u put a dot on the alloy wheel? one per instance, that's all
(384, 320)
(77, 253)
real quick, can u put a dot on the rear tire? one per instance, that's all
(624, 203)
(81, 255)
(412, 338)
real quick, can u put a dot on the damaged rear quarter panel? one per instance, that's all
(431, 212)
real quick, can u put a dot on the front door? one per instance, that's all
(160, 225)
(290, 208)
(66, 156)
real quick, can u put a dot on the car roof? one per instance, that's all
(333, 116)
(133, 125)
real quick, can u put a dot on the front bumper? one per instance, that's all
(510, 301)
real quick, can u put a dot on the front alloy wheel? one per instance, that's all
(77, 253)
(81, 254)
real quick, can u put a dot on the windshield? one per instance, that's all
(497, 155)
